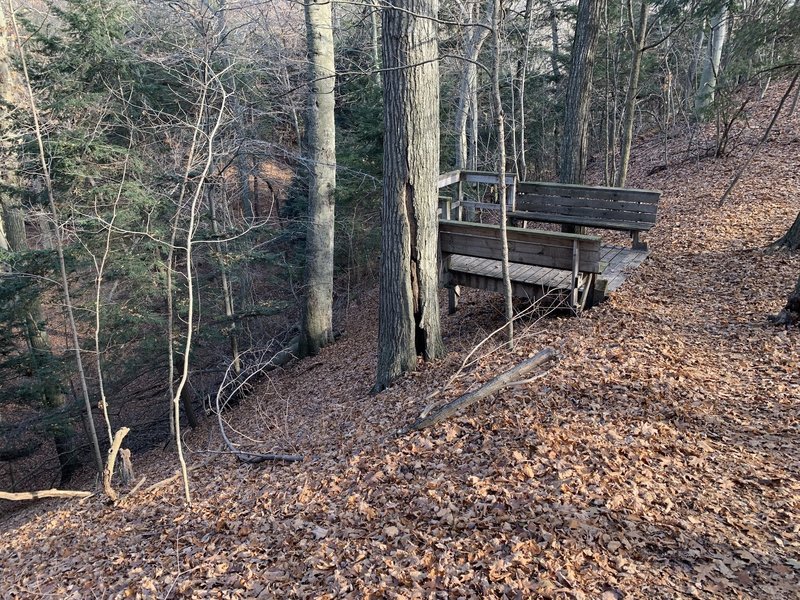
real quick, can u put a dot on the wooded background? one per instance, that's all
(169, 172)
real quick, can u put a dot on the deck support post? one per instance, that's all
(576, 254)
(637, 244)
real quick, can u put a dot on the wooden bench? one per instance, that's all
(587, 206)
(539, 261)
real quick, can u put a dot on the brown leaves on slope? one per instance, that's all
(658, 459)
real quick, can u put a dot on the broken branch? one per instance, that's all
(53, 493)
(493, 385)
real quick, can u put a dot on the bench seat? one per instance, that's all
(619, 209)
(539, 261)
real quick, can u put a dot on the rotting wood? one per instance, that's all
(494, 385)
(52, 493)
(108, 472)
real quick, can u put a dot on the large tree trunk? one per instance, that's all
(574, 140)
(575, 137)
(708, 82)
(409, 302)
(317, 330)
(791, 239)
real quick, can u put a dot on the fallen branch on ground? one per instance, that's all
(53, 493)
(489, 388)
(108, 473)
(253, 457)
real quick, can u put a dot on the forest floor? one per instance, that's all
(658, 458)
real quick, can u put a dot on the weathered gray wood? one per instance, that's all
(486, 177)
(587, 221)
(489, 388)
(450, 178)
(520, 252)
(531, 246)
(536, 203)
(108, 472)
(534, 282)
(587, 191)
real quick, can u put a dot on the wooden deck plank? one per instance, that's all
(532, 282)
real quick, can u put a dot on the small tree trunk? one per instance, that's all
(638, 38)
(501, 171)
(73, 328)
(708, 82)
(466, 142)
(556, 50)
(375, 24)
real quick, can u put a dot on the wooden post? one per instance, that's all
(460, 199)
(575, 264)
(637, 245)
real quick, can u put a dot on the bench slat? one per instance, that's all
(537, 202)
(587, 221)
(527, 247)
(585, 191)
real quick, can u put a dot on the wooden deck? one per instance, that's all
(534, 282)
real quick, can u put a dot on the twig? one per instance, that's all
(251, 457)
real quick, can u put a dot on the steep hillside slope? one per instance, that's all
(659, 457)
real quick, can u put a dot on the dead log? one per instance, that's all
(493, 385)
(108, 473)
(53, 493)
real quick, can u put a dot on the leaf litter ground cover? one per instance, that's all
(659, 457)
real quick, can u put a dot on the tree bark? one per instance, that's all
(409, 302)
(791, 239)
(790, 314)
(317, 329)
(574, 139)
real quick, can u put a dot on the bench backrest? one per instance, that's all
(525, 246)
(598, 204)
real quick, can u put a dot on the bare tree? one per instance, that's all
(716, 41)
(317, 328)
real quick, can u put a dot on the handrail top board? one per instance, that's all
(565, 189)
